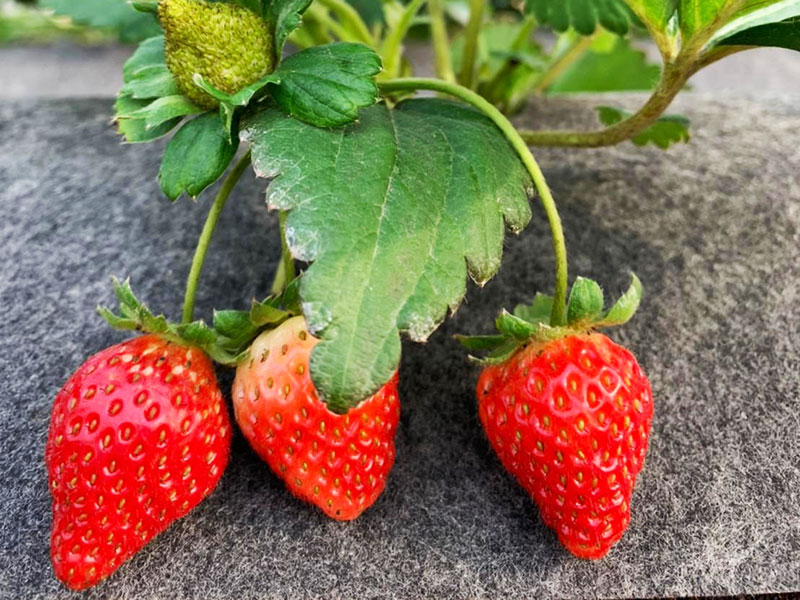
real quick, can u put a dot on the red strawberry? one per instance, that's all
(337, 462)
(570, 419)
(139, 435)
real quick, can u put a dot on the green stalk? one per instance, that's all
(205, 236)
(558, 316)
(672, 81)
(285, 273)
(393, 46)
(441, 44)
(351, 20)
(321, 16)
(508, 67)
(562, 62)
(472, 34)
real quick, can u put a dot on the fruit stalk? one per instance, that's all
(205, 236)
(558, 316)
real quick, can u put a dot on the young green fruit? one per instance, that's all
(229, 45)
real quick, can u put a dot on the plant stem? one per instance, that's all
(321, 16)
(393, 46)
(509, 65)
(351, 20)
(441, 45)
(672, 81)
(562, 63)
(205, 236)
(285, 273)
(472, 34)
(558, 316)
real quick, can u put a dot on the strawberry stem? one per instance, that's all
(205, 236)
(285, 273)
(558, 315)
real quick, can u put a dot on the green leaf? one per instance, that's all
(623, 68)
(667, 130)
(164, 109)
(625, 307)
(777, 26)
(393, 212)
(135, 130)
(785, 34)
(117, 15)
(196, 157)
(327, 85)
(583, 15)
(585, 301)
(286, 15)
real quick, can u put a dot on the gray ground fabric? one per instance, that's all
(710, 227)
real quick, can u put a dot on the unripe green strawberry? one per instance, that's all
(229, 45)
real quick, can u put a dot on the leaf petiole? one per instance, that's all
(558, 315)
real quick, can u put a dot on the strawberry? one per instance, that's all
(570, 419)
(139, 435)
(568, 413)
(336, 462)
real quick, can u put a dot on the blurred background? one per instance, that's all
(76, 48)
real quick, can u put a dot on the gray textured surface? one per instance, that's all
(711, 228)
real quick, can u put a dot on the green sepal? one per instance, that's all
(478, 343)
(149, 104)
(530, 323)
(286, 16)
(135, 129)
(625, 307)
(513, 327)
(241, 326)
(585, 301)
(538, 311)
(145, 6)
(230, 104)
(226, 342)
(162, 110)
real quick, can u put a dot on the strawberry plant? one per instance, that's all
(388, 202)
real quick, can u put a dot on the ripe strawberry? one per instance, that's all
(337, 462)
(570, 419)
(568, 412)
(139, 435)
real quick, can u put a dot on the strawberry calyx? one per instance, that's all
(531, 322)
(229, 337)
